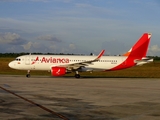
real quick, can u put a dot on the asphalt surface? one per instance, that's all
(79, 99)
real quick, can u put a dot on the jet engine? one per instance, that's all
(58, 71)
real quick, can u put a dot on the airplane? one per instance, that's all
(59, 65)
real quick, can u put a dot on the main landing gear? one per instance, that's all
(28, 74)
(77, 75)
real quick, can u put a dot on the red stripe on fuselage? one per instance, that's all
(129, 62)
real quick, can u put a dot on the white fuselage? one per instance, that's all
(46, 62)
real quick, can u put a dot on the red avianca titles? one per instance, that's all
(59, 65)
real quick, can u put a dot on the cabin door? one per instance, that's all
(27, 60)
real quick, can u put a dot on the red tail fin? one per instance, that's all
(139, 50)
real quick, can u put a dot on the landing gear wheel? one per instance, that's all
(77, 76)
(28, 75)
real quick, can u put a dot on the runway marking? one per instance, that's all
(38, 105)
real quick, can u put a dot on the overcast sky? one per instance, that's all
(78, 26)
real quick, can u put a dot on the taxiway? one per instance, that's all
(80, 99)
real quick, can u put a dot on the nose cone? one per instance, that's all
(11, 65)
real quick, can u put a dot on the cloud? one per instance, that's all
(32, 46)
(49, 38)
(52, 47)
(154, 49)
(27, 46)
(72, 46)
(11, 38)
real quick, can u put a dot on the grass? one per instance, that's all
(151, 70)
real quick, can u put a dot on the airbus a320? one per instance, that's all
(59, 65)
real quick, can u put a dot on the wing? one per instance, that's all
(77, 65)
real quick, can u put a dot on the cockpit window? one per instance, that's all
(18, 59)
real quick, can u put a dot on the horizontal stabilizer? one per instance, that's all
(143, 61)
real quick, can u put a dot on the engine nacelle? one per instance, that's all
(58, 71)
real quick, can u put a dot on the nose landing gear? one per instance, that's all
(28, 74)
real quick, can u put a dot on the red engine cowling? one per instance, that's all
(58, 71)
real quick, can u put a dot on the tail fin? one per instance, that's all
(139, 50)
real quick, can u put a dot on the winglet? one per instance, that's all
(100, 55)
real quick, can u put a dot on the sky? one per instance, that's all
(78, 26)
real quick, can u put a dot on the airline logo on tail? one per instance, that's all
(141, 46)
(136, 53)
